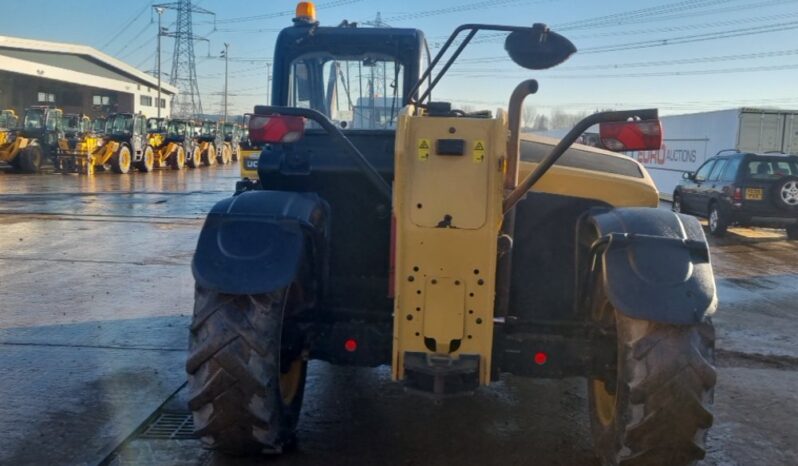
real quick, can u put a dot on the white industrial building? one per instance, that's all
(75, 78)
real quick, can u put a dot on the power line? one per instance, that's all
(457, 9)
(320, 6)
(747, 69)
(121, 30)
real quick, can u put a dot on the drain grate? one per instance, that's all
(170, 426)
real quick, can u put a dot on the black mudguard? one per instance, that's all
(655, 264)
(254, 242)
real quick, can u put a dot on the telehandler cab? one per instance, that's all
(27, 148)
(449, 248)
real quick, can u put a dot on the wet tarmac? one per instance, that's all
(96, 294)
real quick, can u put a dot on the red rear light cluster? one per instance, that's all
(738, 195)
(275, 129)
(631, 135)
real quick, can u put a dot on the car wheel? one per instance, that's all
(676, 206)
(717, 223)
(785, 193)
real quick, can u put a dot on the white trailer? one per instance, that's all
(691, 139)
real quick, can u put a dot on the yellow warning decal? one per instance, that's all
(423, 149)
(479, 150)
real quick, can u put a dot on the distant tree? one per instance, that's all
(528, 116)
(541, 123)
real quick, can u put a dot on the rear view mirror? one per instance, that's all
(631, 135)
(538, 48)
(275, 129)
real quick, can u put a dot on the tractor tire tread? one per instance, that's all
(669, 391)
(232, 358)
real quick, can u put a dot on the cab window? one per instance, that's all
(703, 172)
(730, 173)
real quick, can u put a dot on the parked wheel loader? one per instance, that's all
(443, 244)
(166, 139)
(77, 145)
(231, 136)
(35, 142)
(205, 135)
(124, 145)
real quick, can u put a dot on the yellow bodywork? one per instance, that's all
(90, 152)
(163, 152)
(10, 150)
(249, 163)
(448, 215)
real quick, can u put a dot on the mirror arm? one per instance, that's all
(601, 117)
(449, 62)
(368, 169)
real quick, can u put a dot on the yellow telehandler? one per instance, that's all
(36, 141)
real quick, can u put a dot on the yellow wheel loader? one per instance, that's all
(77, 145)
(124, 145)
(205, 138)
(230, 141)
(180, 137)
(36, 141)
(166, 140)
(439, 242)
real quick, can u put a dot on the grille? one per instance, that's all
(170, 426)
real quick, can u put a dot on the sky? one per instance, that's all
(682, 56)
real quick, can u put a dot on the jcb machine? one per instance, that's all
(123, 145)
(250, 152)
(183, 134)
(228, 143)
(35, 142)
(461, 254)
(167, 140)
(77, 145)
(205, 136)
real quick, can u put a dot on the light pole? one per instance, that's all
(160, 11)
(225, 55)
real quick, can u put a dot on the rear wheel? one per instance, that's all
(195, 159)
(178, 160)
(655, 411)
(30, 159)
(246, 372)
(209, 155)
(121, 160)
(147, 162)
(225, 155)
(717, 221)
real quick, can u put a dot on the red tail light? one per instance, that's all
(275, 129)
(350, 345)
(631, 135)
(541, 358)
(738, 195)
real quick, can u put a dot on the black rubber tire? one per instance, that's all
(178, 159)
(195, 161)
(147, 163)
(236, 151)
(720, 227)
(663, 391)
(30, 159)
(225, 155)
(234, 373)
(776, 194)
(209, 155)
(792, 232)
(121, 161)
(676, 205)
